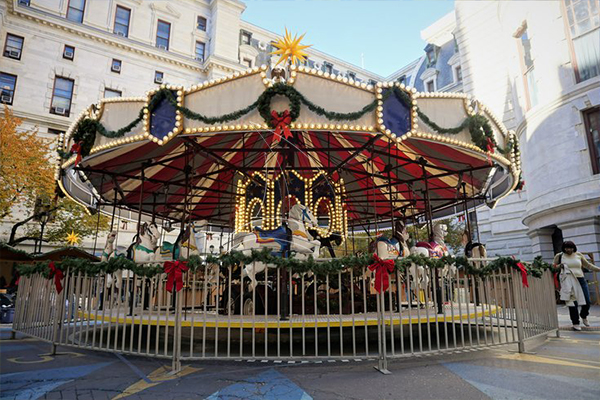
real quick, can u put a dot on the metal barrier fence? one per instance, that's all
(286, 316)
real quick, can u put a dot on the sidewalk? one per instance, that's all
(560, 368)
(564, 322)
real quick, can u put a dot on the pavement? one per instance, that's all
(560, 368)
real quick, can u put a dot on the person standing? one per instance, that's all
(575, 261)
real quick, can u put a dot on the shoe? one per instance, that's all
(585, 321)
(576, 327)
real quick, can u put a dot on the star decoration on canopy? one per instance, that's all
(289, 48)
(73, 238)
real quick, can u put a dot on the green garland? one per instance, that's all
(479, 127)
(86, 129)
(332, 266)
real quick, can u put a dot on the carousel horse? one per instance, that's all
(301, 245)
(146, 249)
(391, 248)
(110, 251)
(473, 250)
(435, 248)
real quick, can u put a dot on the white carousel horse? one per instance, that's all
(110, 251)
(146, 248)
(391, 248)
(301, 246)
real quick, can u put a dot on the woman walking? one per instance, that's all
(571, 260)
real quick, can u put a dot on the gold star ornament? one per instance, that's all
(289, 48)
(73, 238)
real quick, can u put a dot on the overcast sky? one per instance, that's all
(385, 34)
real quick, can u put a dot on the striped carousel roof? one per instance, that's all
(391, 162)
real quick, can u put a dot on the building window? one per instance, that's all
(201, 23)
(431, 54)
(163, 32)
(583, 20)
(122, 17)
(8, 83)
(527, 68)
(158, 77)
(200, 47)
(115, 66)
(458, 73)
(328, 67)
(69, 52)
(430, 86)
(246, 38)
(53, 131)
(24, 3)
(592, 127)
(13, 46)
(75, 10)
(109, 93)
(61, 96)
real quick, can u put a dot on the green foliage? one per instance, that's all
(86, 129)
(70, 217)
(332, 266)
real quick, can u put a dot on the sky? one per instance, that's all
(386, 33)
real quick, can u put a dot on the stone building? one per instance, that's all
(59, 56)
(535, 64)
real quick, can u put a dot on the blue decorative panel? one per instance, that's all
(162, 119)
(396, 116)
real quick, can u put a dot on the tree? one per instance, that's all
(25, 171)
(27, 188)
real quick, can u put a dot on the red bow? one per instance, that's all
(523, 274)
(175, 270)
(58, 276)
(384, 268)
(490, 149)
(76, 148)
(281, 121)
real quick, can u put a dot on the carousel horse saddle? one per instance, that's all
(169, 248)
(436, 250)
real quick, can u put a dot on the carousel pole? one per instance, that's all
(142, 177)
(98, 220)
(436, 281)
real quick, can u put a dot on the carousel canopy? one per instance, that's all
(192, 153)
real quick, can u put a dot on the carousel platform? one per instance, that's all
(466, 314)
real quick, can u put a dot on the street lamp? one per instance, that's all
(44, 217)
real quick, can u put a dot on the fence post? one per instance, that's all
(518, 298)
(176, 366)
(382, 365)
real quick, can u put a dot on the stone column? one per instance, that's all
(541, 243)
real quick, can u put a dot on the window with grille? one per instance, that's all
(62, 96)
(592, 126)
(13, 46)
(163, 33)
(8, 83)
(122, 17)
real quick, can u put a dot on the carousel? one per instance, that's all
(288, 165)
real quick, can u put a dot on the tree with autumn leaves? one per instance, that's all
(28, 189)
